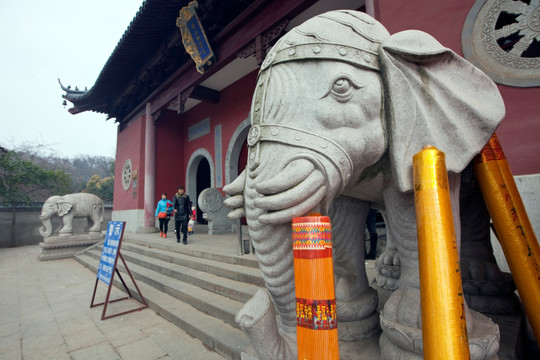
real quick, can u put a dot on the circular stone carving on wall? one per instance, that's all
(502, 38)
(127, 174)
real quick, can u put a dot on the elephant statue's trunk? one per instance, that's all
(46, 229)
(265, 202)
(275, 256)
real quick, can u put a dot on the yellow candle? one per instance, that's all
(509, 182)
(511, 233)
(444, 327)
(316, 317)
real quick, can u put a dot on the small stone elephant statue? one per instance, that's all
(72, 206)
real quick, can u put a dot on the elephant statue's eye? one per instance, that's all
(342, 88)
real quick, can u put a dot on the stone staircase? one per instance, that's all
(200, 290)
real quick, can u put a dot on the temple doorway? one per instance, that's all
(203, 182)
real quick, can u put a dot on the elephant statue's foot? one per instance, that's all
(257, 318)
(388, 270)
(487, 289)
(65, 232)
(402, 329)
(358, 319)
(494, 304)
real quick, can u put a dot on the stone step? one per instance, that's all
(236, 280)
(170, 279)
(169, 244)
(222, 266)
(224, 286)
(203, 314)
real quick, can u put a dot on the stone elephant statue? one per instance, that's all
(72, 206)
(339, 110)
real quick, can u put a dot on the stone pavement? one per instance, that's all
(45, 314)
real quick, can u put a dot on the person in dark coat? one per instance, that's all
(182, 213)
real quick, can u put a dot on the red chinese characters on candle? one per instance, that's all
(316, 314)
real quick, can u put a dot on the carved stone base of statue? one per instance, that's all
(363, 308)
(66, 246)
(402, 333)
(487, 289)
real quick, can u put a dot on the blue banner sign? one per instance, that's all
(194, 38)
(111, 247)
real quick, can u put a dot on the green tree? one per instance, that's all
(103, 188)
(107, 188)
(20, 179)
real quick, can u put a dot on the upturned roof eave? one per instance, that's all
(102, 90)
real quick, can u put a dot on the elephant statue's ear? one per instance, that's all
(434, 97)
(63, 207)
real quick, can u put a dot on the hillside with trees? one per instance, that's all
(27, 175)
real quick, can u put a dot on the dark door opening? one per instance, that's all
(203, 182)
(242, 161)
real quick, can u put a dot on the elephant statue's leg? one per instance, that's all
(67, 229)
(401, 320)
(94, 224)
(487, 289)
(356, 300)
(89, 223)
(94, 220)
(388, 264)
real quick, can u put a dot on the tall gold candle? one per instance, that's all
(444, 327)
(509, 182)
(519, 254)
(316, 317)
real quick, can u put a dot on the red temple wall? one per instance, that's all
(173, 150)
(130, 145)
(170, 159)
(519, 132)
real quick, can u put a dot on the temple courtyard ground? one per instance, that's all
(45, 314)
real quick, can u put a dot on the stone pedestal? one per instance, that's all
(61, 247)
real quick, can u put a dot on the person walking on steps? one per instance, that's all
(163, 213)
(182, 213)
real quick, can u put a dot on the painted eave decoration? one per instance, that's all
(194, 38)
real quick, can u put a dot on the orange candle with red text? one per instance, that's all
(316, 317)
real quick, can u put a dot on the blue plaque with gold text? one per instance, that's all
(194, 38)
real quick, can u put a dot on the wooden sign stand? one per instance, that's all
(108, 267)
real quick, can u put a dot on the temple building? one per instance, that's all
(180, 81)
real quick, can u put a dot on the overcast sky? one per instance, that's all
(42, 41)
